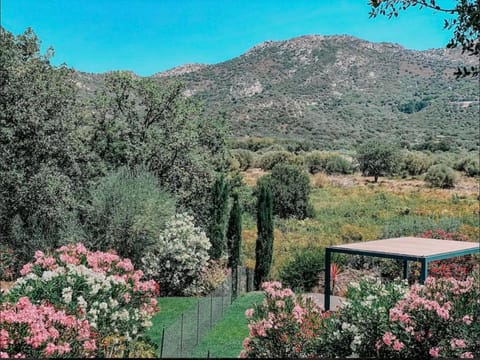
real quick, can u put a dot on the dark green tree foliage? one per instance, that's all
(234, 240)
(127, 211)
(234, 232)
(144, 121)
(218, 218)
(291, 189)
(378, 159)
(39, 165)
(264, 244)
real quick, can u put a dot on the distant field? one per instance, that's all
(351, 208)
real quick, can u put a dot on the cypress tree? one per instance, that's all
(264, 244)
(234, 240)
(218, 218)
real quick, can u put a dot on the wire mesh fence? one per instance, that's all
(180, 338)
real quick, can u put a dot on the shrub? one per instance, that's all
(469, 164)
(283, 326)
(244, 157)
(41, 331)
(361, 320)
(290, 189)
(128, 210)
(415, 163)
(179, 255)
(337, 164)
(316, 161)
(212, 276)
(7, 263)
(439, 319)
(301, 272)
(95, 286)
(441, 176)
(271, 158)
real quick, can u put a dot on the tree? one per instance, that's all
(234, 240)
(465, 23)
(40, 165)
(264, 243)
(218, 217)
(290, 189)
(377, 159)
(144, 121)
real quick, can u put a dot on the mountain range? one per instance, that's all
(336, 92)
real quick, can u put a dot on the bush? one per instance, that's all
(316, 161)
(469, 164)
(95, 286)
(377, 159)
(441, 176)
(271, 158)
(212, 276)
(244, 157)
(178, 257)
(283, 326)
(337, 164)
(128, 211)
(41, 331)
(415, 163)
(301, 272)
(7, 263)
(290, 189)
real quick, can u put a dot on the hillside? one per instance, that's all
(338, 90)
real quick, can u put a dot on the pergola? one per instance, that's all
(405, 248)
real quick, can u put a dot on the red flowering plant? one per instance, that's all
(438, 319)
(39, 331)
(96, 286)
(458, 267)
(283, 326)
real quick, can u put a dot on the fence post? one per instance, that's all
(211, 310)
(198, 319)
(181, 337)
(161, 344)
(223, 294)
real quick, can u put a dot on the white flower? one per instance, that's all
(103, 306)
(81, 302)
(67, 295)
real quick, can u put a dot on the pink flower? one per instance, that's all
(467, 319)
(243, 354)
(280, 304)
(454, 343)
(90, 345)
(388, 337)
(298, 313)
(398, 345)
(50, 349)
(4, 355)
(26, 269)
(378, 345)
(249, 313)
(467, 355)
(434, 352)
(246, 342)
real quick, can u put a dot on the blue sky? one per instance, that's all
(148, 36)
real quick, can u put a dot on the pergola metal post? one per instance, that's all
(423, 270)
(405, 269)
(327, 279)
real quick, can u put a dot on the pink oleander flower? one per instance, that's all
(26, 269)
(387, 338)
(249, 313)
(460, 343)
(434, 352)
(467, 355)
(398, 345)
(467, 319)
(246, 342)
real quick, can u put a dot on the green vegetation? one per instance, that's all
(300, 273)
(225, 339)
(234, 240)
(377, 159)
(264, 243)
(441, 176)
(218, 218)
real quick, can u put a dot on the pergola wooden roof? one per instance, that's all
(405, 248)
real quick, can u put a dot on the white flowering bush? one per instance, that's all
(96, 286)
(177, 259)
(362, 319)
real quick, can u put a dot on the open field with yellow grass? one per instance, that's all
(353, 208)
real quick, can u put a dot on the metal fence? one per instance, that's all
(180, 338)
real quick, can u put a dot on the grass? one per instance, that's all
(171, 308)
(226, 337)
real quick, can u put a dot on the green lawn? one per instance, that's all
(171, 308)
(226, 337)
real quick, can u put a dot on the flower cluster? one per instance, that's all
(283, 325)
(178, 257)
(437, 319)
(96, 286)
(38, 331)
